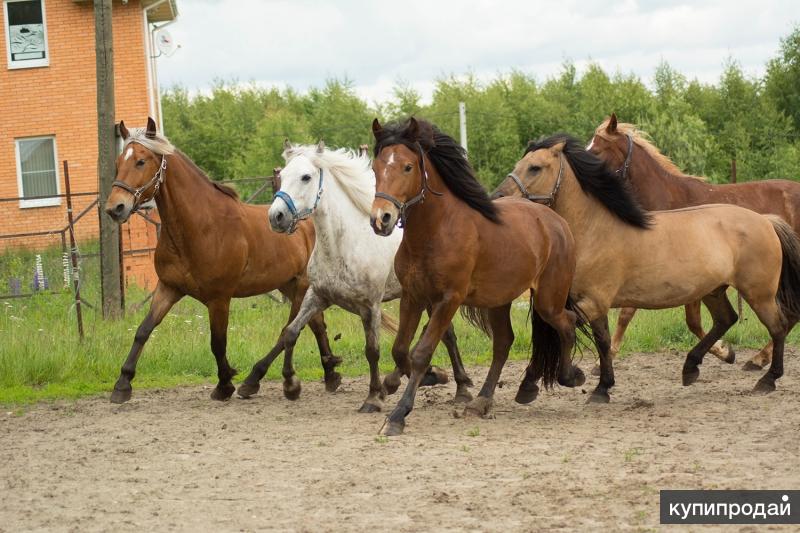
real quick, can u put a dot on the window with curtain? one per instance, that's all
(36, 164)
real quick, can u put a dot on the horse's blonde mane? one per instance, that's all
(158, 144)
(642, 140)
(353, 171)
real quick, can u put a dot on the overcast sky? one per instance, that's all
(301, 43)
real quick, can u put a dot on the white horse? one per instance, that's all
(350, 265)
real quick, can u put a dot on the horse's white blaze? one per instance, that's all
(129, 153)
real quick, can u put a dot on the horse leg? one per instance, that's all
(602, 339)
(252, 383)
(329, 361)
(770, 315)
(624, 318)
(312, 305)
(695, 324)
(410, 313)
(761, 359)
(502, 339)
(371, 320)
(459, 373)
(218, 311)
(724, 316)
(434, 375)
(164, 298)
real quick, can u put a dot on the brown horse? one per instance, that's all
(659, 185)
(460, 248)
(212, 247)
(630, 258)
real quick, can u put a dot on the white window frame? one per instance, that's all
(41, 202)
(30, 63)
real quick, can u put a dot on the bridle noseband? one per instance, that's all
(157, 179)
(418, 198)
(297, 216)
(549, 199)
(623, 171)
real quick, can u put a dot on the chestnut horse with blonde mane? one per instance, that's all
(212, 247)
(628, 257)
(658, 185)
(460, 248)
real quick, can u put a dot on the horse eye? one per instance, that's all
(535, 168)
(306, 177)
(408, 167)
(140, 163)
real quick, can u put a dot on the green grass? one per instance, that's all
(41, 356)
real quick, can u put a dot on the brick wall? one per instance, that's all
(60, 100)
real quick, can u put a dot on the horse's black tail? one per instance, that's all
(478, 317)
(788, 296)
(546, 358)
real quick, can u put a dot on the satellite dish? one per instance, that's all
(165, 43)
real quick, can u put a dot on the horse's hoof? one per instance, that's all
(480, 407)
(370, 406)
(392, 429)
(291, 388)
(434, 376)
(690, 376)
(596, 370)
(391, 383)
(121, 395)
(526, 395)
(578, 379)
(599, 397)
(764, 386)
(223, 392)
(332, 381)
(462, 395)
(731, 358)
(248, 389)
(750, 366)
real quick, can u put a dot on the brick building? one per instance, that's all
(48, 114)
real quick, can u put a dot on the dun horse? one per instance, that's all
(212, 247)
(659, 185)
(459, 248)
(627, 257)
(350, 266)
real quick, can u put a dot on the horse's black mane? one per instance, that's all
(447, 156)
(224, 189)
(597, 180)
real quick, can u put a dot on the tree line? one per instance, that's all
(236, 130)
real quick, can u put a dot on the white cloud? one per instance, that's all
(301, 43)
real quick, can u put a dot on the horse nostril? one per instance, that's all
(386, 218)
(119, 208)
(279, 216)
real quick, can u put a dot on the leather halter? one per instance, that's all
(418, 198)
(157, 179)
(548, 199)
(623, 171)
(297, 216)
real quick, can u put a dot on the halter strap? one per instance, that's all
(158, 179)
(418, 198)
(297, 216)
(623, 171)
(549, 199)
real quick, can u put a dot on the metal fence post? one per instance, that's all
(73, 251)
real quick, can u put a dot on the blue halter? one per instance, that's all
(297, 216)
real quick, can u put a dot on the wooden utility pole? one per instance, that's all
(106, 145)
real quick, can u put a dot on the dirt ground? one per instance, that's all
(175, 460)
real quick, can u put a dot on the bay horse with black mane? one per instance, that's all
(212, 247)
(460, 248)
(628, 257)
(659, 185)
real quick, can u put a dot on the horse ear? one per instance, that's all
(123, 131)
(612, 124)
(377, 129)
(320, 146)
(286, 145)
(150, 132)
(413, 129)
